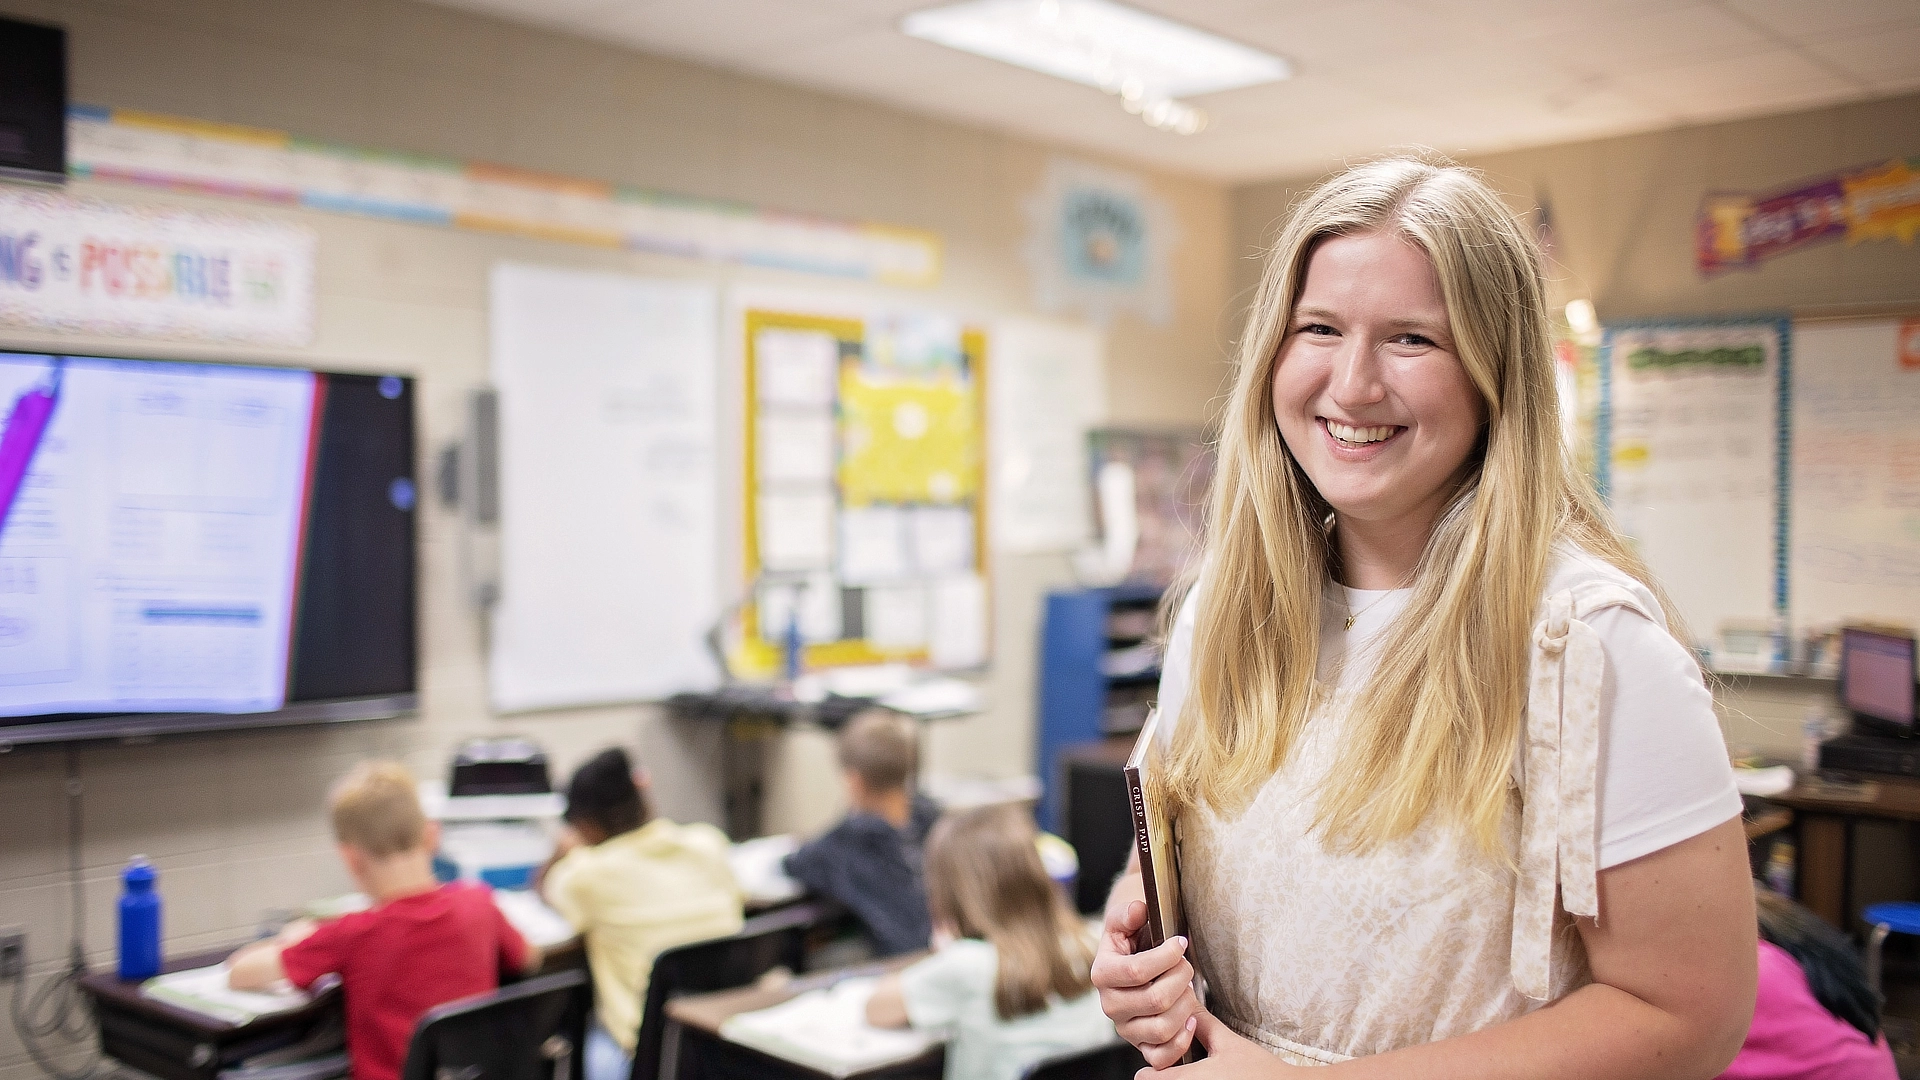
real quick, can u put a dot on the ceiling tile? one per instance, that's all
(1890, 54)
(1804, 19)
(1465, 76)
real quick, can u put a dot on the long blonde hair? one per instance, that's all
(985, 880)
(1435, 727)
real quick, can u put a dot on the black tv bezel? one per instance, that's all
(145, 727)
(1867, 723)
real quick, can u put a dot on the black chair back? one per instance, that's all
(531, 1030)
(763, 943)
(1114, 1061)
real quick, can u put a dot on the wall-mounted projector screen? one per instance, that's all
(197, 546)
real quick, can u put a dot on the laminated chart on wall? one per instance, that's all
(1048, 391)
(866, 470)
(1696, 462)
(1856, 472)
(608, 432)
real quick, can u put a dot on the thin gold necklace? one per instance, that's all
(1347, 599)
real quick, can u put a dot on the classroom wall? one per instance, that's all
(234, 822)
(1623, 214)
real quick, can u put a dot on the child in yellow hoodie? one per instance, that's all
(634, 885)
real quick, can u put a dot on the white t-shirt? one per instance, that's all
(953, 988)
(1664, 771)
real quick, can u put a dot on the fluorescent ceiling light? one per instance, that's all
(1098, 44)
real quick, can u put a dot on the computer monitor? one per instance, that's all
(1877, 679)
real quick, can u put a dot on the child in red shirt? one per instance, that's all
(423, 943)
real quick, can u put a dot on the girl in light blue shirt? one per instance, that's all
(1008, 977)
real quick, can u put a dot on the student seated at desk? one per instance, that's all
(634, 885)
(1010, 975)
(1815, 1017)
(871, 860)
(422, 944)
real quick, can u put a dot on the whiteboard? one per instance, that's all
(1856, 475)
(1695, 463)
(607, 487)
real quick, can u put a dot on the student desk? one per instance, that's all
(1824, 816)
(178, 1044)
(707, 1055)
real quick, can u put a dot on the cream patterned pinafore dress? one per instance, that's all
(1322, 957)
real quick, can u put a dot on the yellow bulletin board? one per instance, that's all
(865, 491)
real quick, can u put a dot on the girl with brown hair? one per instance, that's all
(1009, 972)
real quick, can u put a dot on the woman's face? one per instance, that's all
(1370, 394)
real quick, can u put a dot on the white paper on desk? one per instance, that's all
(942, 540)
(795, 447)
(827, 1030)
(957, 621)
(796, 530)
(895, 616)
(819, 598)
(205, 991)
(756, 865)
(795, 367)
(542, 926)
(873, 545)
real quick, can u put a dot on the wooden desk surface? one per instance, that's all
(1888, 797)
(708, 1011)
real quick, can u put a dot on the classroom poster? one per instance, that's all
(866, 482)
(86, 266)
(1856, 475)
(1048, 391)
(1741, 230)
(1695, 463)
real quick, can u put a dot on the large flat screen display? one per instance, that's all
(189, 546)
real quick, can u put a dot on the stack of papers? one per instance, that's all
(542, 926)
(204, 991)
(756, 866)
(1763, 782)
(827, 1030)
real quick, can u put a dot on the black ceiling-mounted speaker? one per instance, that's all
(33, 102)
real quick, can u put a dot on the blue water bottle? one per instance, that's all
(139, 921)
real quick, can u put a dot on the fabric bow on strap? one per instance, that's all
(1557, 825)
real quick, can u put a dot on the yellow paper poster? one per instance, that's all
(904, 440)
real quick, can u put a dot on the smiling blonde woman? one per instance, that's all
(1438, 757)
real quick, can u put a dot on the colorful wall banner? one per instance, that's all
(1738, 230)
(85, 266)
(272, 166)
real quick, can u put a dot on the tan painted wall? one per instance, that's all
(235, 822)
(1623, 212)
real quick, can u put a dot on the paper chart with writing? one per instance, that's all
(1856, 475)
(1049, 391)
(1695, 470)
(865, 489)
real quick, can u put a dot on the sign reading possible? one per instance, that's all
(86, 266)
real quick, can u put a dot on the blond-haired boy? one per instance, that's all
(870, 861)
(422, 944)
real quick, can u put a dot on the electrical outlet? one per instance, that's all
(13, 953)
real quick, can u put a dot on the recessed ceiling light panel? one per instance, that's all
(1147, 60)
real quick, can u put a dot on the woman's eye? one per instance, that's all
(1420, 340)
(1317, 329)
